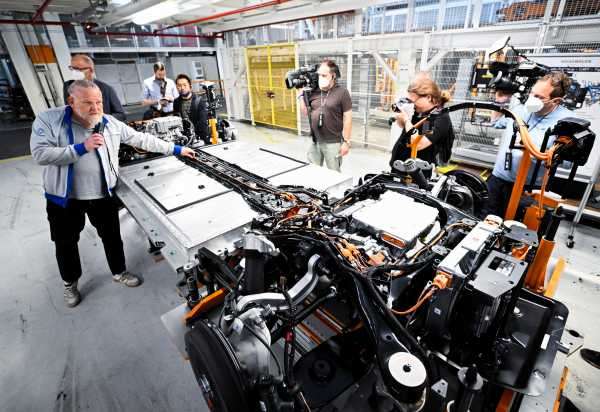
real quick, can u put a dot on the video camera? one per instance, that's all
(212, 100)
(305, 76)
(519, 78)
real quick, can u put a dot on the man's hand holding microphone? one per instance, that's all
(96, 139)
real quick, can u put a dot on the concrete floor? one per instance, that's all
(112, 353)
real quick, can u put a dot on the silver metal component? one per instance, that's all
(410, 220)
(277, 301)
(259, 243)
(253, 355)
(168, 128)
(493, 220)
(571, 340)
(407, 369)
(473, 242)
(259, 161)
(437, 187)
(188, 267)
(441, 388)
(411, 165)
(179, 187)
(172, 208)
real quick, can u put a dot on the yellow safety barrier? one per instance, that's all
(270, 101)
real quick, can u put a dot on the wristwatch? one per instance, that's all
(348, 142)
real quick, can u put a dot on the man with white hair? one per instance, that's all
(79, 146)
(82, 68)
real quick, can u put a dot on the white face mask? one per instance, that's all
(323, 83)
(77, 75)
(533, 104)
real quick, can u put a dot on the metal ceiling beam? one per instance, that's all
(41, 10)
(122, 14)
(90, 27)
(296, 13)
(309, 25)
(35, 23)
(234, 12)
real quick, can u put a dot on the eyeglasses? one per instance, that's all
(81, 69)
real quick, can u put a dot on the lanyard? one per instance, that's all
(324, 101)
(538, 122)
(508, 154)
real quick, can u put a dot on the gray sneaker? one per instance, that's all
(127, 279)
(72, 295)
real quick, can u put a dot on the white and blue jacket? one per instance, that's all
(52, 145)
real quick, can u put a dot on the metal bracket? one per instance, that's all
(441, 388)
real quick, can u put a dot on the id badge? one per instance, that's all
(508, 160)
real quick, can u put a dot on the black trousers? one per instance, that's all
(499, 191)
(67, 223)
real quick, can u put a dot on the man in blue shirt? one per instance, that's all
(541, 111)
(158, 92)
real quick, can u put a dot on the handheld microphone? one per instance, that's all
(99, 128)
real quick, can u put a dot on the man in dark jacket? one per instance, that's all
(192, 107)
(82, 68)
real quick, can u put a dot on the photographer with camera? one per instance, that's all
(424, 98)
(191, 107)
(330, 114)
(541, 111)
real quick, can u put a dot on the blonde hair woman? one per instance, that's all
(424, 98)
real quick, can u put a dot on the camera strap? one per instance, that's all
(536, 123)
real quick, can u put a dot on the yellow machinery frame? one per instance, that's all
(277, 115)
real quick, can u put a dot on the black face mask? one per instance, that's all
(186, 95)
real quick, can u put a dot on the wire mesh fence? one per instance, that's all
(375, 73)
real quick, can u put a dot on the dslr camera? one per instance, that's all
(305, 76)
(397, 108)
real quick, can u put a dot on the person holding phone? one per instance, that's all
(78, 145)
(158, 92)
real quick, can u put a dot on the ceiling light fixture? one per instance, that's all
(160, 11)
